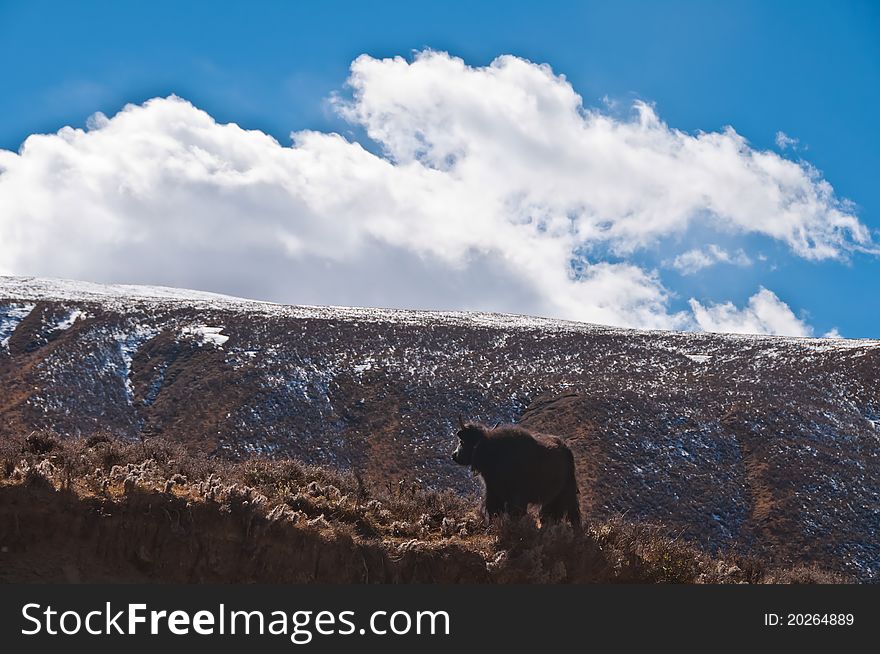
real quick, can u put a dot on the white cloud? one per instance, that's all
(784, 141)
(692, 261)
(764, 314)
(518, 129)
(492, 180)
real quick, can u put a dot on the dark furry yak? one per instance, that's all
(521, 468)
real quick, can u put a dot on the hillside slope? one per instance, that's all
(764, 444)
(99, 510)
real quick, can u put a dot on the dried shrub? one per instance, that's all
(39, 443)
(402, 519)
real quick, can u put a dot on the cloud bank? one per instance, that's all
(764, 314)
(495, 189)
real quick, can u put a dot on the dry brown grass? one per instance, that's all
(441, 530)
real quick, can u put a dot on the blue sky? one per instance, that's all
(808, 69)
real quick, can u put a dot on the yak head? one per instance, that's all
(469, 436)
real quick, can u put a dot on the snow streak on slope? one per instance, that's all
(68, 321)
(10, 316)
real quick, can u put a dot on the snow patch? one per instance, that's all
(71, 318)
(366, 365)
(699, 358)
(832, 344)
(205, 334)
(47, 288)
(129, 342)
(10, 316)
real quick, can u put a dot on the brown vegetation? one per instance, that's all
(105, 510)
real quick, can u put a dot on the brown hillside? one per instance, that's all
(766, 445)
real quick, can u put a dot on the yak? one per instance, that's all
(519, 468)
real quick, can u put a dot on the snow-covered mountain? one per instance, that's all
(764, 443)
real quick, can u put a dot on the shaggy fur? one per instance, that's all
(520, 468)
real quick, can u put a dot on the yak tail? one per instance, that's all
(570, 494)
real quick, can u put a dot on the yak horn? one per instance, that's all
(495, 426)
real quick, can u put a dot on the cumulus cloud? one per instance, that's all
(495, 190)
(518, 127)
(693, 261)
(765, 313)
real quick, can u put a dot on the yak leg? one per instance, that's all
(564, 505)
(494, 505)
(554, 510)
(570, 504)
